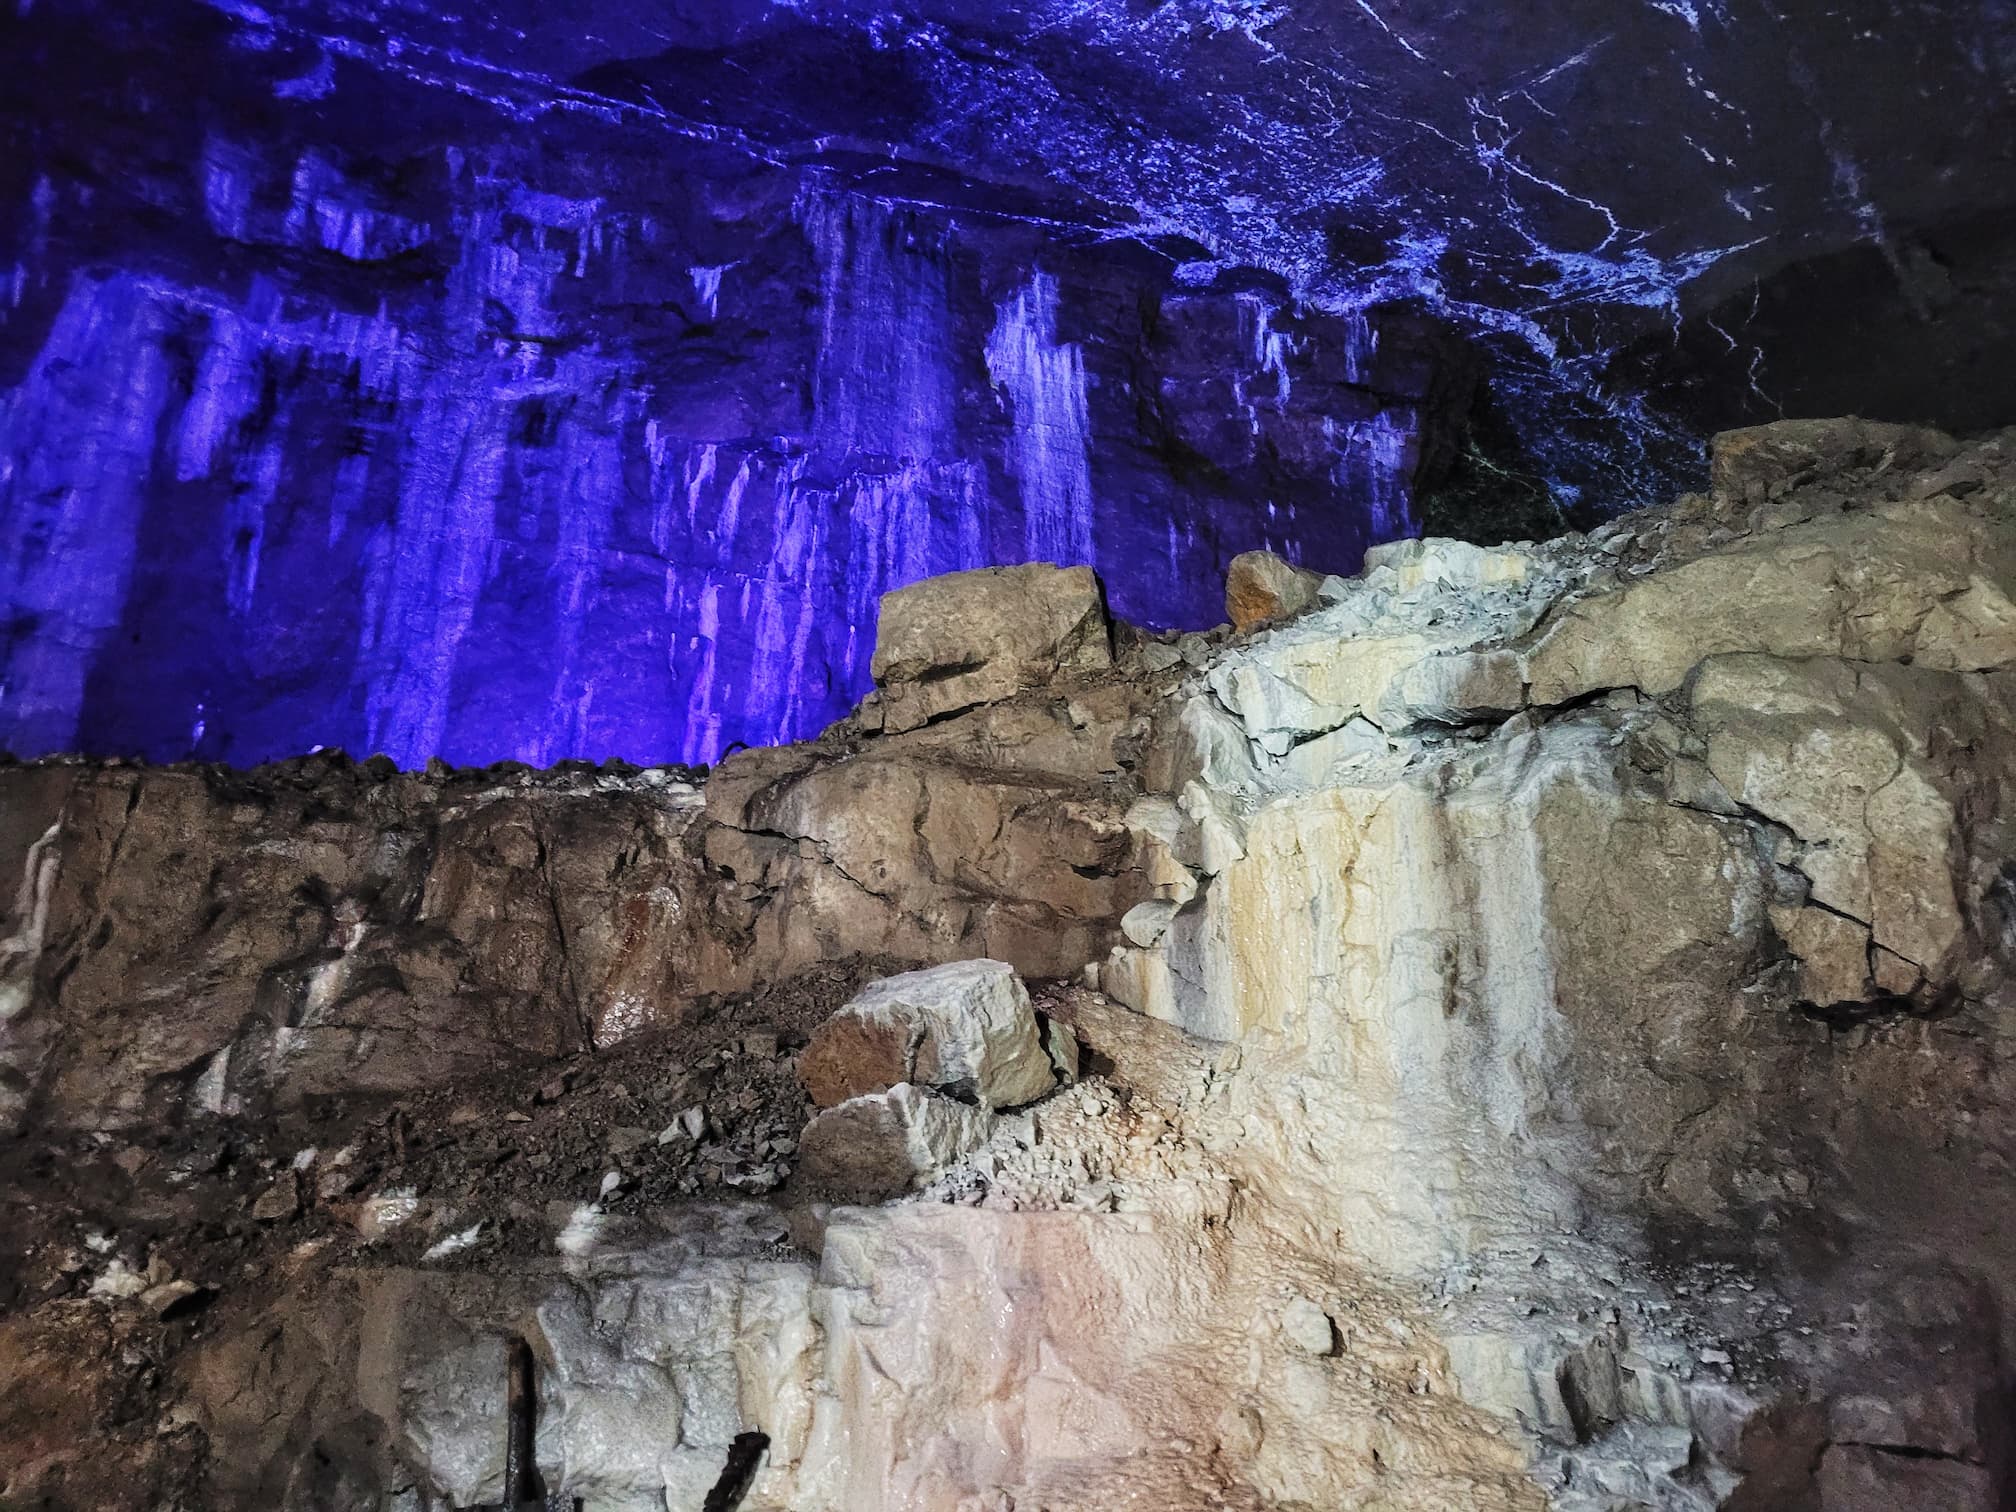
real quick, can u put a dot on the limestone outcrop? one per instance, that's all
(1530, 1028)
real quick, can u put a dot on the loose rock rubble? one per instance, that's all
(1526, 1026)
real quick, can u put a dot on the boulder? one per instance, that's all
(968, 638)
(1926, 582)
(967, 1029)
(1260, 586)
(1750, 463)
(886, 1143)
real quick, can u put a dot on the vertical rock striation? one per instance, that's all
(1549, 1047)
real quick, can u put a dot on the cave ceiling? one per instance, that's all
(1573, 182)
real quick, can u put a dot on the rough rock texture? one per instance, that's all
(368, 410)
(948, 643)
(882, 1144)
(1260, 586)
(966, 1029)
(195, 938)
(1538, 1059)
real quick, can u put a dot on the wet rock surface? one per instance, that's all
(1545, 1045)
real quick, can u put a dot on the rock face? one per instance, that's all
(966, 1029)
(1550, 1049)
(400, 421)
(338, 927)
(336, 930)
(949, 643)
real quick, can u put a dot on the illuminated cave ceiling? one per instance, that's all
(571, 381)
(1576, 178)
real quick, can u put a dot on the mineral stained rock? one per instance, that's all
(1542, 1017)
(882, 1144)
(1260, 586)
(966, 1028)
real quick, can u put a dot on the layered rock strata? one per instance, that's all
(1541, 1017)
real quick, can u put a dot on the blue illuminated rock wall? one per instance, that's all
(544, 380)
(521, 454)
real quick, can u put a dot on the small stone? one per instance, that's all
(278, 1202)
(378, 1215)
(455, 1243)
(1146, 922)
(612, 1183)
(1260, 586)
(623, 1140)
(762, 1045)
(1097, 1197)
(555, 1089)
(1061, 1045)
(1308, 1327)
(165, 1298)
(119, 1280)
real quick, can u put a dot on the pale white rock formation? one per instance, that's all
(1427, 625)
(1531, 984)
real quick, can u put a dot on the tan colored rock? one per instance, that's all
(853, 1054)
(1832, 750)
(886, 1143)
(967, 1028)
(1261, 587)
(1926, 581)
(279, 1201)
(1833, 953)
(949, 643)
(1751, 462)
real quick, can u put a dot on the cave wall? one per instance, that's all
(466, 437)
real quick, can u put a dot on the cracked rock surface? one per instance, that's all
(1537, 1023)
